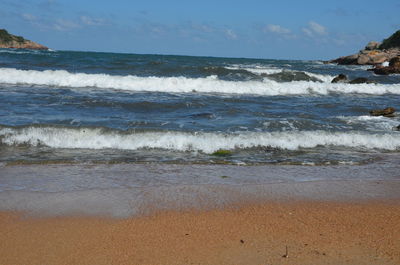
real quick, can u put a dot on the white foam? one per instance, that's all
(256, 69)
(377, 123)
(96, 138)
(211, 84)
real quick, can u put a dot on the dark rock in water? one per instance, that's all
(388, 112)
(362, 80)
(395, 62)
(389, 115)
(397, 128)
(346, 60)
(289, 76)
(384, 70)
(393, 68)
(341, 78)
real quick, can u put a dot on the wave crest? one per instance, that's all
(211, 84)
(102, 138)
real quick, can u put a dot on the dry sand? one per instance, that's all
(314, 233)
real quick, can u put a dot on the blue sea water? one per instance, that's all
(108, 107)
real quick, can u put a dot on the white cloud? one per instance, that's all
(276, 29)
(64, 25)
(314, 29)
(90, 21)
(317, 28)
(29, 17)
(231, 34)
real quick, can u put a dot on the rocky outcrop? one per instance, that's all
(372, 45)
(387, 112)
(374, 53)
(8, 40)
(393, 68)
(368, 57)
(362, 80)
(341, 78)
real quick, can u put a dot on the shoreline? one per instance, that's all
(125, 190)
(189, 214)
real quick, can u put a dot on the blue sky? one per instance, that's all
(282, 29)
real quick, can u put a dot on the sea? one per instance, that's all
(68, 110)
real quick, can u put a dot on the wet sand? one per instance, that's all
(314, 232)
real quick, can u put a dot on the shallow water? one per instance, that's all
(122, 190)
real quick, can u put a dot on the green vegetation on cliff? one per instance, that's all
(6, 37)
(8, 40)
(391, 42)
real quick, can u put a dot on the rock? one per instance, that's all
(395, 62)
(362, 80)
(346, 60)
(397, 128)
(378, 58)
(341, 78)
(384, 70)
(393, 68)
(374, 53)
(372, 45)
(363, 59)
(8, 40)
(384, 112)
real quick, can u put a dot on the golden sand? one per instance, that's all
(312, 232)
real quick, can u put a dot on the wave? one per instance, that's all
(273, 71)
(372, 123)
(104, 138)
(210, 84)
(26, 51)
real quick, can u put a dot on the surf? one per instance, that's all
(210, 84)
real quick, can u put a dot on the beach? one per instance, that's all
(242, 221)
(314, 232)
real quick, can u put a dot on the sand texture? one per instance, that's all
(313, 232)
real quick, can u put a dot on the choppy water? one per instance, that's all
(107, 107)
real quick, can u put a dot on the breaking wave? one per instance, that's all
(210, 84)
(105, 138)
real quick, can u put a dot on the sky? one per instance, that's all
(283, 29)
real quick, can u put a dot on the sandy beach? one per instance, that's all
(241, 219)
(313, 232)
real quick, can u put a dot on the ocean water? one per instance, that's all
(125, 134)
(87, 107)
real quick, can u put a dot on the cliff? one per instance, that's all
(8, 40)
(374, 53)
(391, 42)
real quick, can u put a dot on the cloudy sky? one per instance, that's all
(283, 29)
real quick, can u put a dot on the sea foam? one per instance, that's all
(210, 84)
(101, 138)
